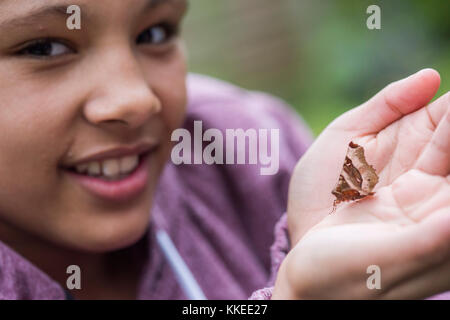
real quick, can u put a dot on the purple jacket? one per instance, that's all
(220, 217)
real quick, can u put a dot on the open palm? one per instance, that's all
(398, 132)
(404, 229)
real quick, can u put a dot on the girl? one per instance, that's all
(87, 180)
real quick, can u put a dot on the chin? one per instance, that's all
(101, 226)
(109, 231)
(107, 240)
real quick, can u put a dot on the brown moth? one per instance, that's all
(357, 178)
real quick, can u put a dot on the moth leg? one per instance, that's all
(335, 203)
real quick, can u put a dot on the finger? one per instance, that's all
(391, 103)
(418, 261)
(427, 271)
(420, 240)
(423, 285)
(437, 109)
(435, 158)
(419, 194)
(410, 199)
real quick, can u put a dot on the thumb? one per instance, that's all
(390, 104)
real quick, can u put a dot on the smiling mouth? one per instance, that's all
(115, 179)
(112, 169)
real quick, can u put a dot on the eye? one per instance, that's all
(45, 48)
(158, 34)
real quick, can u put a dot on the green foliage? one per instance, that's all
(318, 55)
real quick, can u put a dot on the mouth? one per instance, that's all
(112, 169)
(116, 178)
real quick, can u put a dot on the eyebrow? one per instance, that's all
(35, 15)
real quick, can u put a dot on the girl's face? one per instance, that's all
(66, 96)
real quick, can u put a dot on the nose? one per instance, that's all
(121, 95)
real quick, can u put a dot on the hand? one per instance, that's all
(404, 230)
(398, 229)
(398, 132)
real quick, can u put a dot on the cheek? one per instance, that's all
(175, 110)
(168, 81)
(173, 99)
(34, 120)
(31, 141)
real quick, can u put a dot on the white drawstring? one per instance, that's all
(184, 276)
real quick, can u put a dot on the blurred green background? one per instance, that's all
(318, 55)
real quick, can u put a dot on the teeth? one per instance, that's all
(82, 168)
(110, 168)
(127, 164)
(93, 168)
